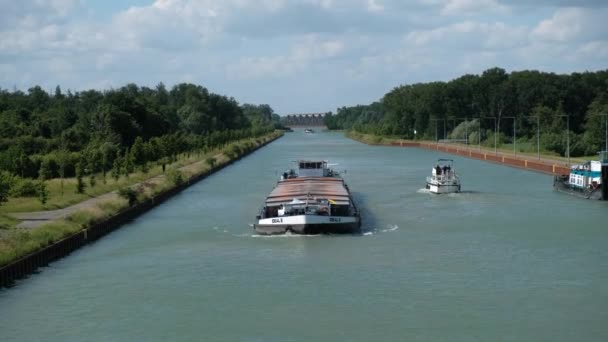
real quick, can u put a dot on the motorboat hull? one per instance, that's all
(442, 188)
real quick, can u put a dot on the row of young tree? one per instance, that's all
(533, 101)
(51, 135)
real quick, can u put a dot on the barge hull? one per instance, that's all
(561, 186)
(336, 228)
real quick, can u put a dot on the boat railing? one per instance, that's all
(444, 177)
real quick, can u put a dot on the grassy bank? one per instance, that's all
(16, 243)
(527, 149)
(62, 193)
(370, 139)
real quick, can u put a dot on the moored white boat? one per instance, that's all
(443, 179)
(587, 180)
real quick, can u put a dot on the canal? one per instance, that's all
(507, 259)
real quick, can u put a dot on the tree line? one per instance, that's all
(47, 135)
(531, 100)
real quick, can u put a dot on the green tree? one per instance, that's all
(127, 163)
(116, 168)
(43, 192)
(80, 185)
(44, 172)
(63, 160)
(138, 153)
(5, 186)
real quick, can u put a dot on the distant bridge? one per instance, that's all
(304, 120)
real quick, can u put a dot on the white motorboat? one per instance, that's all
(443, 179)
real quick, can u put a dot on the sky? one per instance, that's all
(299, 56)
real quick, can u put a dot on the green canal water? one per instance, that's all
(507, 259)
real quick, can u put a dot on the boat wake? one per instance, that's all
(460, 193)
(391, 228)
(364, 232)
(227, 232)
(373, 231)
(283, 236)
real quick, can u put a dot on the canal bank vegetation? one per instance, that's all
(556, 114)
(524, 150)
(60, 148)
(16, 243)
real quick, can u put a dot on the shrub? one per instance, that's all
(233, 151)
(175, 176)
(210, 161)
(129, 194)
(87, 217)
(553, 142)
(112, 206)
(464, 128)
(24, 187)
(5, 185)
(474, 138)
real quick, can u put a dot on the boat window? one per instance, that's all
(318, 165)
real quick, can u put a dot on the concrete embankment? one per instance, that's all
(30, 263)
(522, 162)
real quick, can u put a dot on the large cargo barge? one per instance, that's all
(313, 199)
(588, 180)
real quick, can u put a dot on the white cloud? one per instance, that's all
(470, 7)
(565, 25)
(374, 6)
(34, 13)
(60, 66)
(230, 45)
(307, 50)
(595, 49)
(470, 34)
(104, 60)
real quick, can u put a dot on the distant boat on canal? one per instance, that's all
(313, 199)
(308, 130)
